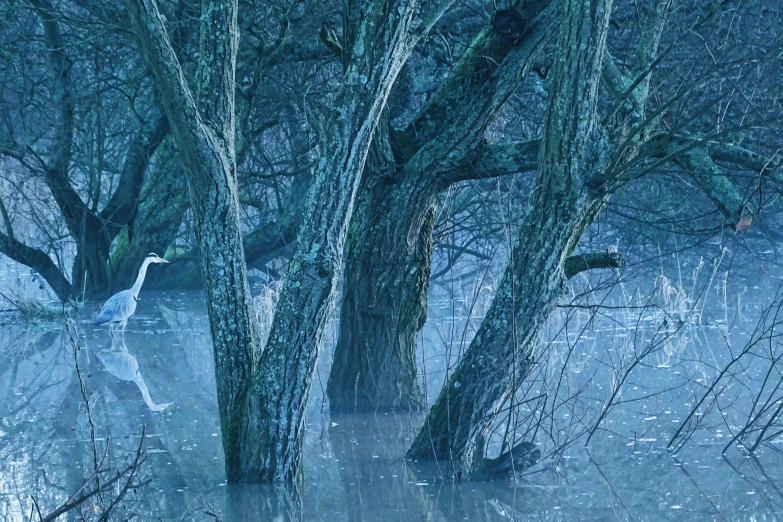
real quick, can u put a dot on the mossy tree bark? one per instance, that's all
(390, 239)
(578, 171)
(262, 394)
(384, 300)
(378, 38)
(204, 133)
(500, 355)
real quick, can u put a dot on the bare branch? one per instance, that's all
(581, 262)
(39, 261)
(714, 183)
(499, 160)
(330, 40)
(121, 208)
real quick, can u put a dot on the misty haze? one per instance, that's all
(391, 260)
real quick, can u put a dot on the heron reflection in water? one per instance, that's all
(119, 362)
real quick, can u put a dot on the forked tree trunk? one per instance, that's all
(500, 355)
(262, 397)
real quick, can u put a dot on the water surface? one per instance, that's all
(162, 378)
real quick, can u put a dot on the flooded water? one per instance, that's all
(161, 378)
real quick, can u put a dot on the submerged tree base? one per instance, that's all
(508, 464)
(521, 457)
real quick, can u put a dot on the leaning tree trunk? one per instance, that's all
(384, 299)
(500, 355)
(306, 301)
(35, 258)
(390, 239)
(379, 37)
(205, 138)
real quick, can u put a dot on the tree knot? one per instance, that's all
(509, 22)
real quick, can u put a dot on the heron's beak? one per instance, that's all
(164, 261)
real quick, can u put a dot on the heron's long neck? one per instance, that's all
(140, 280)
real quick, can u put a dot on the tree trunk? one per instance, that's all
(379, 37)
(307, 299)
(390, 239)
(93, 231)
(384, 299)
(90, 274)
(262, 397)
(205, 138)
(501, 354)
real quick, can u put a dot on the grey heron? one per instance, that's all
(120, 307)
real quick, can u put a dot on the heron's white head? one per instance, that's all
(155, 258)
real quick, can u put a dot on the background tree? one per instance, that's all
(590, 152)
(58, 133)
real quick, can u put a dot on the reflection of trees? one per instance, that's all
(32, 377)
(191, 333)
(380, 485)
(180, 437)
(45, 454)
(45, 447)
(103, 481)
(42, 351)
(368, 450)
(264, 502)
(46, 450)
(760, 480)
(176, 363)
